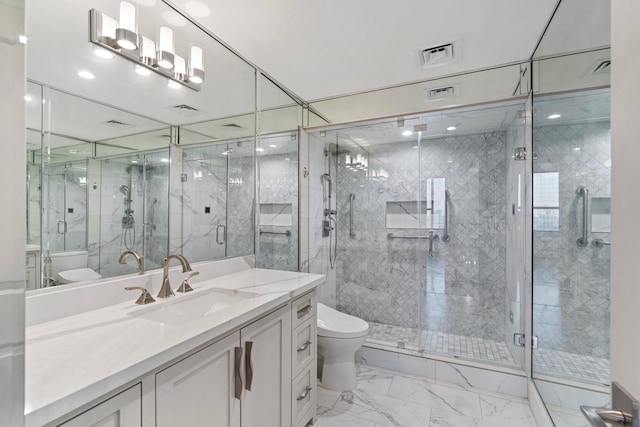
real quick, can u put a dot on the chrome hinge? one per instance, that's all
(519, 340)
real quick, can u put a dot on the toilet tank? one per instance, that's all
(71, 260)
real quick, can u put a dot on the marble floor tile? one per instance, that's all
(441, 418)
(333, 418)
(374, 380)
(327, 398)
(438, 396)
(506, 412)
(564, 419)
(383, 410)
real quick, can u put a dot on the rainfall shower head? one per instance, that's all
(124, 190)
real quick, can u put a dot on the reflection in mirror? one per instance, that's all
(212, 199)
(277, 243)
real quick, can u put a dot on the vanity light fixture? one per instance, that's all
(121, 38)
(126, 32)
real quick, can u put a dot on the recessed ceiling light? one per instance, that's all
(576, 149)
(27, 98)
(143, 71)
(86, 75)
(102, 53)
(259, 149)
(22, 39)
(273, 146)
(164, 160)
(554, 116)
(407, 133)
(415, 147)
(451, 128)
(174, 85)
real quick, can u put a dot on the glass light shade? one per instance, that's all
(126, 36)
(127, 16)
(179, 67)
(165, 40)
(147, 50)
(107, 29)
(196, 65)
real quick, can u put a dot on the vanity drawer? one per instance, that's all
(30, 260)
(303, 395)
(303, 349)
(303, 309)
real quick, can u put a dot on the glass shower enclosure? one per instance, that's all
(425, 215)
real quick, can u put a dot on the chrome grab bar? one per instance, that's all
(351, 232)
(393, 236)
(584, 193)
(431, 236)
(447, 199)
(286, 232)
(598, 243)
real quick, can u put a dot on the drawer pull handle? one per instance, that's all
(237, 377)
(304, 310)
(248, 367)
(304, 346)
(304, 394)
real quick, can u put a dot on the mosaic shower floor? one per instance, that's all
(571, 366)
(440, 342)
(548, 362)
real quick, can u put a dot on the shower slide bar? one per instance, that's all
(447, 200)
(286, 233)
(351, 232)
(584, 193)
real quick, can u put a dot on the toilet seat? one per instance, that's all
(334, 324)
(78, 275)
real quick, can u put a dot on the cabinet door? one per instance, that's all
(267, 352)
(199, 390)
(122, 410)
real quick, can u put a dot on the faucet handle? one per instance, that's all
(184, 286)
(144, 298)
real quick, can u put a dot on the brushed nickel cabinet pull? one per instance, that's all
(304, 346)
(237, 390)
(305, 393)
(248, 366)
(304, 310)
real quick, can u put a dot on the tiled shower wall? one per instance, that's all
(153, 243)
(571, 284)
(279, 185)
(461, 290)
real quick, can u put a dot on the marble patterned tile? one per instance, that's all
(327, 398)
(436, 396)
(566, 419)
(382, 409)
(442, 418)
(374, 380)
(466, 376)
(506, 412)
(332, 418)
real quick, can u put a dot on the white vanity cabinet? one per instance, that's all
(122, 410)
(245, 376)
(199, 390)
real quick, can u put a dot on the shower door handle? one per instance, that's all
(584, 193)
(447, 199)
(224, 234)
(64, 226)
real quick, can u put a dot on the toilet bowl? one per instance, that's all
(71, 266)
(340, 335)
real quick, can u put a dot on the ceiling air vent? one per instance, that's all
(602, 67)
(118, 124)
(435, 56)
(232, 125)
(438, 93)
(185, 110)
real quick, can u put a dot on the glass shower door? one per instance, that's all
(571, 238)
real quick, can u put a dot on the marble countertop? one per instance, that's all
(74, 360)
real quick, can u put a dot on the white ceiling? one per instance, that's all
(321, 49)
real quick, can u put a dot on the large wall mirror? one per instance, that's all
(119, 160)
(571, 210)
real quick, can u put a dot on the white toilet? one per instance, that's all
(70, 267)
(340, 335)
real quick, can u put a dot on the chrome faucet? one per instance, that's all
(165, 290)
(136, 255)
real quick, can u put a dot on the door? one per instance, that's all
(266, 347)
(200, 390)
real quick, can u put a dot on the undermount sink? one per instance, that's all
(185, 308)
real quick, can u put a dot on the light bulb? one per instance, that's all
(196, 65)
(179, 68)
(165, 48)
(126, 35)
(147, 50)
